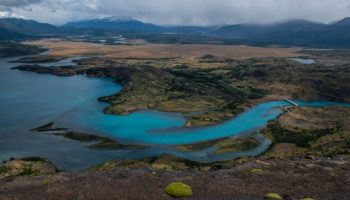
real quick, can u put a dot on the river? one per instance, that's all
(28, 100)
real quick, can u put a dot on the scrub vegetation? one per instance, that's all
(323, 132)
(11, 49)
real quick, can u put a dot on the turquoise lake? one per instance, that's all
(28, 100)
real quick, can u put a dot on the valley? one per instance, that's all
(155, 113)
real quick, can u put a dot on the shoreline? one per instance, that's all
(184, 128)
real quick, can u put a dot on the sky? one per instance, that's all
(178, 12)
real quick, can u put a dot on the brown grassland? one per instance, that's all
(179, 52)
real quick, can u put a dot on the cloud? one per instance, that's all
(18, 3)
(184, 12)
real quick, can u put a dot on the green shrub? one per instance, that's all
(256, 170)
(272, 196)
(178, 189)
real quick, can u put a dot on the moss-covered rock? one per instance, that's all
(272, 196)
(256, 170)
(160, 166)
(178, 189)
(27, 167)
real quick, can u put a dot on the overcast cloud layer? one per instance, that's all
(179, 12)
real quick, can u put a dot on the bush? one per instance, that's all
(178, 189)
(256, 170)
(272, 196)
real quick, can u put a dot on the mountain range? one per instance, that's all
(121, 24)
(27, 27)
(293, 32)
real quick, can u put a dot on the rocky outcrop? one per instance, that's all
(27, 167)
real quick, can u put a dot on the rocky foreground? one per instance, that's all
(320, 179)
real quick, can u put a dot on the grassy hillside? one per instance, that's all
(9, 49)
(27, 27)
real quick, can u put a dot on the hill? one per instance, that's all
(121, 24)
(295, 32)
(342, 23)
(9, 35)
(256, 30)
(9, 49)
(290, 33)
(27, 27)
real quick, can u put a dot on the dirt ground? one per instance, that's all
(293, 180)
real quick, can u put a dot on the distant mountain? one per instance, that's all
(27, 27)
(189, 29)
(10, 49)
(121, 24)
(342, 23)
(295, 32)
(251, 30)
(9, 35)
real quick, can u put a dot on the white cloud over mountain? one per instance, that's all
(184, 12)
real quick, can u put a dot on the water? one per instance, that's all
(63, 62)
(28, 100)
(304, 61)
(167, 129)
